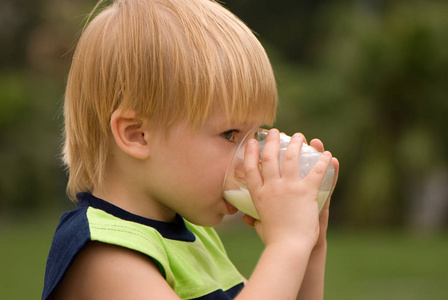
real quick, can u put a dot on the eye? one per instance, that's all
(230, 134)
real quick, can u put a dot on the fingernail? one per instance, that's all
(273, 131)
(297, 136)
(251, 142)
(327, 153)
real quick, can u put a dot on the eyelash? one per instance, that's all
(232, 132)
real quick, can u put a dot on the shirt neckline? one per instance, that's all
(176, 230)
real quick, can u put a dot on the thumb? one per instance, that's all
(259, 229)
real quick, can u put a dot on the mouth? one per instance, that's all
(230, 208)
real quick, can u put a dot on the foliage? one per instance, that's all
(376, 94)
(369, 80)
(29, 144)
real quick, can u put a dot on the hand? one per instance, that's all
(312, 286)
(323, 219)
(285, 202)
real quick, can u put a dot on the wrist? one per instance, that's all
(292, 248)
(321, 245)
(295, 240)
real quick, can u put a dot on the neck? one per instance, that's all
(123, 187)
(136, 204)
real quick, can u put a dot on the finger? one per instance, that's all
(326, 207)
(323, 217)
(335, 163)
(248, 220)
(251, 165)
(290, 164)
(259, 229)
(317, 173)
(270, 168)
(317, 144)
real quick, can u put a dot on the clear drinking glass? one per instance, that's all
(235, 189)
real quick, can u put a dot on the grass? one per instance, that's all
(387, 266)
(23, 251)
(360, 265)
(366, 265)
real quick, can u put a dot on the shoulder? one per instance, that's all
(104, 271)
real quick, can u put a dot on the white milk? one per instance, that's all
(241, 199)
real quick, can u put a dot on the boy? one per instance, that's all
(159, 95)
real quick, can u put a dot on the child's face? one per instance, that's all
(191, 166)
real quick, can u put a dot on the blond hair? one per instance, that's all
(167, 60)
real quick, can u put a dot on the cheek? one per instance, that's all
(199, 169)
(208, 176)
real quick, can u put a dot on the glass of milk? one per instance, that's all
(235, 188)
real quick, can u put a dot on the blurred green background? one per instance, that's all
(368, 77)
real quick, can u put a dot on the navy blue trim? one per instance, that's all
(176, 230)
(221, 295)
(71, 235)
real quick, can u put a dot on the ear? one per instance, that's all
(130, 133)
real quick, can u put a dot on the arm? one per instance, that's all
(313, 283)
(289, 220)
(103, 271)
